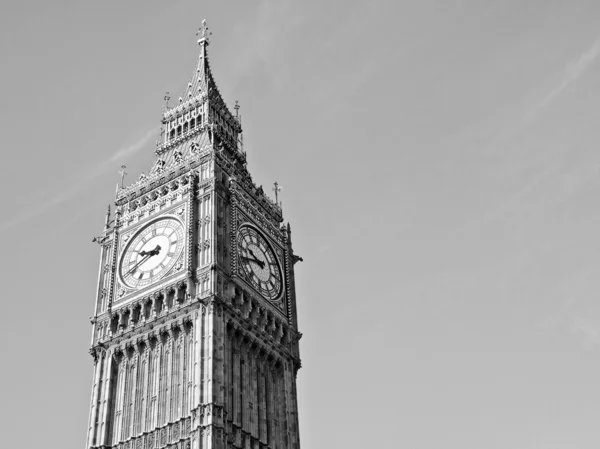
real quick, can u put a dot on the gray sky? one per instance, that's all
(441, 171)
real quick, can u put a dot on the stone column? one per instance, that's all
(92, 428)
(106, 401)
(262, 400)
(236, 405)
(132, 395)
(181, 372)
(280, 404)
(218, 373)
(145, 377)
(290, 416)
(154, 385)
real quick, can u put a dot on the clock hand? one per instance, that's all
(152, 252)
(147, 255)
(260, 263)
(144, 259)
(251, 252)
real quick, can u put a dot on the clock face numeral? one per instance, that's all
(259, 263)
(152, 252)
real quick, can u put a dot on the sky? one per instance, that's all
(440, 165)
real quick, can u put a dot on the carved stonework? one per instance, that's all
(198, 326)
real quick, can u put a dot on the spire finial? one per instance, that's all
(122, 172)
(203, 33)
(276, 189)
(237, 108)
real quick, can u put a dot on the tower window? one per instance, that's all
(193, 123)
(185, 127)
(179, 130)
(172, 134)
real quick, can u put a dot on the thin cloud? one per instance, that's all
(588, 330)
(573, 71)
(77, 184)
(133, 148)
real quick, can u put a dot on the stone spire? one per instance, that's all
(202, 78)
(200, 110)
(197, 122)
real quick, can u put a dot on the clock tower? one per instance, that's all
(195, 333)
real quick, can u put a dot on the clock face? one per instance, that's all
(152, 252)
(259, 263)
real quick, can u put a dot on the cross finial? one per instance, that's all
(276, 189)
(203, 33)
(237, 108)
(167, 98)
(122, 172)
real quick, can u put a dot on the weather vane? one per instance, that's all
(122, 172)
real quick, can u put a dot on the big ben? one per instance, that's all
(195, 335)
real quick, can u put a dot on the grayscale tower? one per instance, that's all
(195, 333)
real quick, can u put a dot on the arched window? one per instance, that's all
(185, 127)
(179, 130)
(192, 123)
(172, 133)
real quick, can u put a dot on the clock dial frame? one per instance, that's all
(152, 252)
(259, 263)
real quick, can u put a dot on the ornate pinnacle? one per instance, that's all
(276, 189)
(107, 219)
(122, 172)
(166, 99)
(203, 33)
